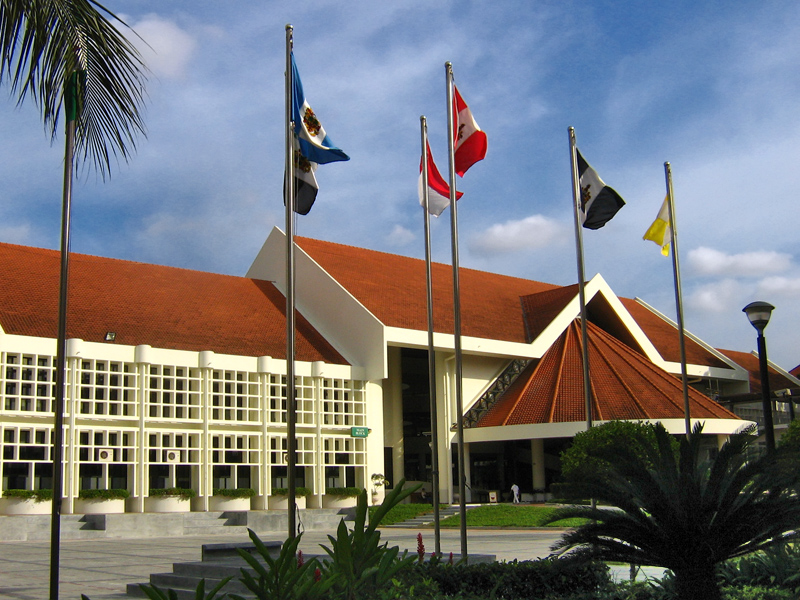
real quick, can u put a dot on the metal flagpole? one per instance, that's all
(576, 197)
(676, 270)
(72, 87)
(448, 67)
(431, 349)
(291, 442)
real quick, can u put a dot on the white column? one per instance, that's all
(141, 489)
(70, 393)
(206, 358)
(264, 488)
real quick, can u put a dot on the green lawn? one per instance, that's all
(493, 515)
(403, 512)
(509, 515)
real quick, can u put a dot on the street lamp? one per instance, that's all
(758, 313)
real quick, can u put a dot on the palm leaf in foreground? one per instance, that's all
(675, 511)
(43, 42)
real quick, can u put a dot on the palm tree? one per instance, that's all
(671, 509)
(44, 42)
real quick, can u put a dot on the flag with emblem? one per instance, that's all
(599, 203)
(438, 190)
(312, 147)
(660, 231)
(470, 142)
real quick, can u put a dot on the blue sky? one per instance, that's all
(712, 87)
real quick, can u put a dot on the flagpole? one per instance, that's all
(462, 491)
(291, 442)
(576, 197)
(71, 104)
(676, 270)
(431, 349)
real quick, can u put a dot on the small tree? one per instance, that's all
(673, 510)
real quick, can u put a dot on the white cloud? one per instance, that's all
(529, 233)
(719, 297)
(20, 234)
(779, 286)
(400, 236)
(166, 49)
(707, 261)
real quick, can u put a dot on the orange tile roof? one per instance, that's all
(393, 288)
(625, 385)
(750, 362)
(161, 306)
(665, 338)
(539, 310)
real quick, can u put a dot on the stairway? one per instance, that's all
(427, 518)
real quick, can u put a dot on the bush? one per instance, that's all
(184, 493)
(35, 495)
(235, 492)
(534, 580)
(298, 491)
(777, 567)
(343, 492)
(113, 494)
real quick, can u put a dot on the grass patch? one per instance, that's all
(403, 512)
(509, 515)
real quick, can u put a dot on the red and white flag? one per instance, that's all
(438, 190)
(470, 142)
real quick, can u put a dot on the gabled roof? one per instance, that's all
(664, 336)
(625, 385)
(393, 289)
(778, 380)
(161, 306)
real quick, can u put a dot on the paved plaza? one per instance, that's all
(101, 568)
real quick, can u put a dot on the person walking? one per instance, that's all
(515, 493)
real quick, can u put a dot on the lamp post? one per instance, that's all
(758, 313)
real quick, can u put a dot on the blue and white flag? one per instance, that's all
(599, 203)
(315, 144)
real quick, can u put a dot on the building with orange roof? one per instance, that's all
(176, 378)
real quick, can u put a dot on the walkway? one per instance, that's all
(101, 568)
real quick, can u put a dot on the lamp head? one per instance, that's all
(758, 313)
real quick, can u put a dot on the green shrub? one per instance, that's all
(235, 492)
(184, 493)
(777, 567)
(299, 491)
(35, 495)
(113, 494)
(753, 592)
(343, 492)
(534, 580)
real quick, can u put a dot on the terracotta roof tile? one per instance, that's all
(664, 336)
(540, 309)
(750, 361)
(625, 385)
(393, 288)
(161, 306)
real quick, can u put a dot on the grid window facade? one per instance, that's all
(106, 389)
(27, 383)
(106, 446)
(26, 458)
(235, 397)
(306, 451)
(173, 393)
(343, 403)
(166, 448)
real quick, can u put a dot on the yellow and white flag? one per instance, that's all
(660, 231)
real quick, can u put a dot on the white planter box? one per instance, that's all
(99, 507)
(339, 502)
(223, 503)
(167, 504)
(23, 506)
(282, 502)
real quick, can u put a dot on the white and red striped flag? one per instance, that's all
(438, 190)
(470, 142)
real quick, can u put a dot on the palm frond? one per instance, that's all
(42, 42)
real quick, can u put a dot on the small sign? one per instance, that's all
(359, 432)
(493, 497)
